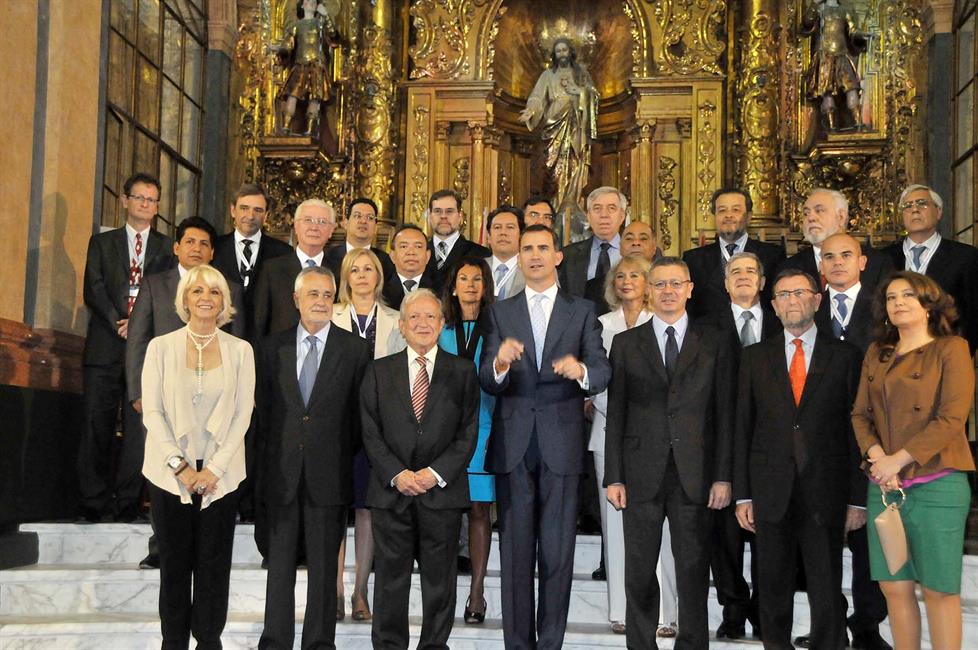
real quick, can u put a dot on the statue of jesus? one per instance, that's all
(565, 102)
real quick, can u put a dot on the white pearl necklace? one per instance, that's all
(200, 342)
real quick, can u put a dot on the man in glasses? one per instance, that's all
(668, 452)
(116, 263)
(360, 227)
(797, 482)
(274, 308)
(951, 264)
(447, 245)
(538, 210)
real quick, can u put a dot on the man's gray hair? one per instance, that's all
(746, 255)
(416, 295)
(607, 189)
(312, 270)
(317, 202)
(934, 196)
(841, 202)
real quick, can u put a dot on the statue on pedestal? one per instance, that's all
(305, 44)
(833, 70)
(565, 102)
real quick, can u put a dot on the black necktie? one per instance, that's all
(672, 350)
(247, 264)
(604, 261)
(730, 249)
(409, 285)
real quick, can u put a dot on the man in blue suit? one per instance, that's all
(541, 357)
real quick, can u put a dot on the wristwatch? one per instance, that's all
(175, 463)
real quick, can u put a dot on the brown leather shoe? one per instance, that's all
(666, 632)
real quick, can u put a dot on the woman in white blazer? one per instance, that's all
(627, 293)
(198, 387)
(360, 309)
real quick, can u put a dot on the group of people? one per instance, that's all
(732, 396)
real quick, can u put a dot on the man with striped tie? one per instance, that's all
(419, 415)
(447, 245)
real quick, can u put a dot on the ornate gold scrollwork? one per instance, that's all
(419, 196)
(375, 99)
(636, 33)
(690, 39)
(441, 27)
(291, 180)
(670, 202)
(460, 180)
(706, 155)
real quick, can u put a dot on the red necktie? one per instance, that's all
(419, 394)
(135, 271)
(796, 372)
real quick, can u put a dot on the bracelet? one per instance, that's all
(182, 467)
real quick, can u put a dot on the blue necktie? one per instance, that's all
(501, 272)
(918, 252)
(310, 366)
(310, 262)
(840, 302)
(538, 321)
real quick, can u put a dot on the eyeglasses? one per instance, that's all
(448, 212)
(138, 198)
(309, 221)
(660, 285)
(919, 203)
(546, 216)
(363, 216)
(797, 293)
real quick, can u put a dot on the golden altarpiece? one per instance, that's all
(695, 95)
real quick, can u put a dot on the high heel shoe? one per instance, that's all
(360, 611)
(475, 618)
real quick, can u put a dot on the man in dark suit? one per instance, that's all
(419, 430)
(541, 356)
(586, 262)
(310, 377)
(951, 264)
(410, 254)
(116, 263)
(825, 213)
(846, 311)
(668, 453)
(796, 465)
(360, 226)
(538, 210)
(746, 321)
(240, 254)
(274, 308)
(732, 209)
(154, 315)
(638, 238)
(447, 245)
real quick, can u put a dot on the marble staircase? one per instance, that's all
(86, 591)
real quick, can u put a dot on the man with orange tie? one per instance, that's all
(797, 481)
(117, 261)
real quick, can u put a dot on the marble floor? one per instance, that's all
(86, 591)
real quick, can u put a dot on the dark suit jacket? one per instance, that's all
(538, 399)
(572, 272)
(334, 261)
(860, 329)
(443, 439)
(647, 413)
(154, 315)
(776, 441)
(954, 266)
(106, 289)
(320, 440)
(723, 322)
(706, 271)
(394, 291)
(274, 308)
(462, 248)
(226, 260)
(878, 267)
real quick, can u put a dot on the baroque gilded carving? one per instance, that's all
(442, 27)
(375, 105)
(667, 195)
(460, 179)
(291, 180)
(706, 155)
(691, 40)
(419, 196)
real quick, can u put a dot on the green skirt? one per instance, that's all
(934, 518)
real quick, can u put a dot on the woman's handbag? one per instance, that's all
(893, 538)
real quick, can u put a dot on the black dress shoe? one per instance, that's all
(151, 561)
(869, 641)
(802, 641)
(731, 630)
(599, 573)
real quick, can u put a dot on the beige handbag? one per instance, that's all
(893, 538)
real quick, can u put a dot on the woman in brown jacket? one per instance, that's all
(916, 390)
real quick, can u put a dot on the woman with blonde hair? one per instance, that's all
(360, 309)
(910, 415)
(198, 391)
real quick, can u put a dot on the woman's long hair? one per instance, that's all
(449, 301)
(942, 315)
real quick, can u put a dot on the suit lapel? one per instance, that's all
(816, 369)
(776, 361)
(650, 347)
(689, 351)
(287, 363)
(435, 385)
(402, 386)
(332, 358)
(559, 318)
(939, 262)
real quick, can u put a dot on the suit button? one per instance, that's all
(305, 418)
(795, 427)
(301, 446)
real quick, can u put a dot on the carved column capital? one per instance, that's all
(442, 129)
(684, 126)
(644, 131)
(477, 130)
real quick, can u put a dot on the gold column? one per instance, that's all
(441, 162)
(757, 88)
(375, 88)
(477, 132)
(641, 171)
